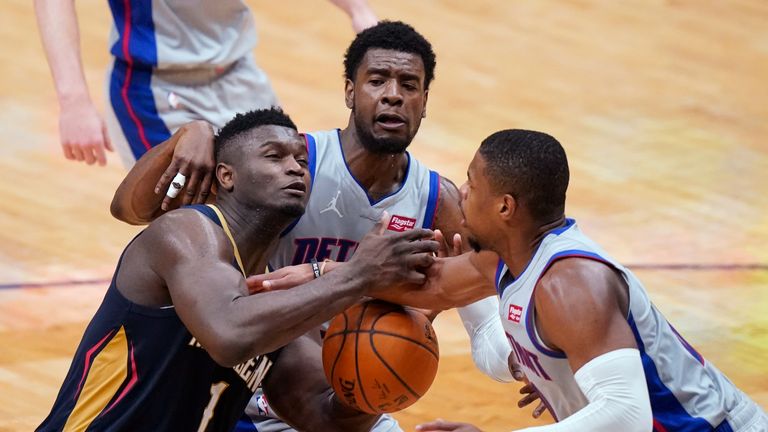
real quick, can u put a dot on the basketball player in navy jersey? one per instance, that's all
(179, 344)
(358, 172)
(581, 325)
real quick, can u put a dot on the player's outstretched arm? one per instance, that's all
(212, 299)
(141, 197)
(360, 13)
(82, 130)
(297, 390)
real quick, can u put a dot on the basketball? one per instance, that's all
(380, 357)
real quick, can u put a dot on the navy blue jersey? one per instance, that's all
(138, 368)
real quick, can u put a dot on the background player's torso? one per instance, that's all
(182, 34)
(686, 391)
(340, 212)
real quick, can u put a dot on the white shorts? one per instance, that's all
(747, 416)
(145, 105)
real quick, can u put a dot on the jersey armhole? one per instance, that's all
(434, 197)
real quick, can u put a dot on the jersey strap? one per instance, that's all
(225, 227)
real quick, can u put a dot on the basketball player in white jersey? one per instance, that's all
(174, 61)
(357, 172)
(581, 325)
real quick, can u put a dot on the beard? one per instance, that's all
(388, 145)
(292, 211)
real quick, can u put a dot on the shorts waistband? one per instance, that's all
(198, 75)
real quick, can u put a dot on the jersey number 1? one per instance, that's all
(216, 391)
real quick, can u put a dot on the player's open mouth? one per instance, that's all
(298, 188)
(390, 121)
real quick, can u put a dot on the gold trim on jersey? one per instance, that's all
(225, 226)
(105, 376)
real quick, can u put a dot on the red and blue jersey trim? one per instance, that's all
(129, 88)
(668, 413)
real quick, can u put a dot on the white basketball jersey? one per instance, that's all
(687, 393)
(181, 33)
(340, 211)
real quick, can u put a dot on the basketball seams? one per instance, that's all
(389, 368)
(383, 333)
(407, 329)
(374, 331)
(357, 369)
(340, 350)
(413, 341)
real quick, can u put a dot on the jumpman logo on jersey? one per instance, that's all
(332, 205)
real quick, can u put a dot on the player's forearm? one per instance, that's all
(298, 391)
(451, 282)
(353, 7)
(287, 314)
(614, 383)
(325, 413)
(57, 23)
(490, 347)
(135, 201)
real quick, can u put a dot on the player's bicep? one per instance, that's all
(579, 310)
(135, 200)
(191, 257)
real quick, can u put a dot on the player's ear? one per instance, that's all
(225, 176)
(349, 93)
(507, 206)
(424, 108)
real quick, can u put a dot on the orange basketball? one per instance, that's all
(380, 357)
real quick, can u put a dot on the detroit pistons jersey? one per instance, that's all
(687, 393)
(138, 368)
(340, 211)
(181, 34)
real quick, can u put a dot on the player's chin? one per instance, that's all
(293, 209)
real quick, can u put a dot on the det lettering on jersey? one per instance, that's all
(528, 359)
(515, 313)
(401, 223)
(336, 249)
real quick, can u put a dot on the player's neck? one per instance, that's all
(255, 233)
(522, 243)
(379, 174)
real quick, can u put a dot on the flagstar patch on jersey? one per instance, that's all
(515, 312)
(401, 223)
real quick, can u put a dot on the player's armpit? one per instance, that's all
(297, 391)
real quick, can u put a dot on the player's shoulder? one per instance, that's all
(574, 278)
(448, 188)
(183, 228)
(322, 135)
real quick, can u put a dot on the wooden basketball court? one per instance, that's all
(662, 107)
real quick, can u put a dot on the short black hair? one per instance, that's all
(531, 166)
(245, 122)
(392, 35)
